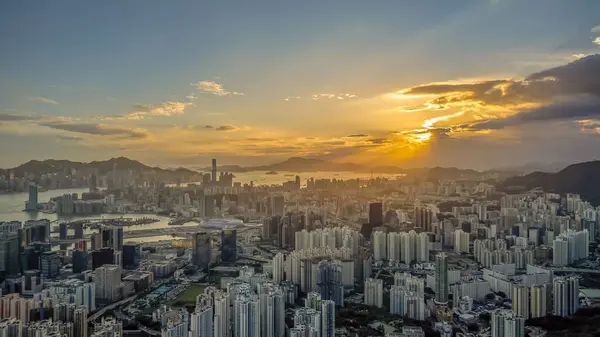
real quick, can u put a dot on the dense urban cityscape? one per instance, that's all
(268, 168)
(396, 257)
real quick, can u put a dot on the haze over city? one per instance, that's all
(412, 84)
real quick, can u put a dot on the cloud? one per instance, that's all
(18, 118)
(41, 99)
(358, 135)
(597, 40)
(169, 108)
(575, 78)
(227, 128)
(579, 109)
(291, 98)
(596, 30)
(317, 97)
(97, 129)
(214, 88)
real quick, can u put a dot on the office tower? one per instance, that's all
(214, 171)
(201, 250)
(441, 278)
(329, 281)
(461, 241)
(374, 292)
(93, 183)
(117, 238)
(520, 301)
(63, 230)
(79, 260)
(50, 264)
(201, 321)
(10, 261)
(375, 218)
(131, 255)
(32, 203)
(209, 206)
(379, 242)
(423, 218)
(80, 325)
(108, 282)
(565, 296)
(538, 300)
(228, 245)
(32, 282)
(247, 317)
(78, 228)
(222, 316)
(102, 256)
(328, 318)
(278, 267)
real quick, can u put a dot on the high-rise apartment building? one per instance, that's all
(108, 282)
(521, 301)
(374, 292)
(538, 300)
(329, 281)
(565, 295)
(423, 218)
(247, 318)
(201, 321)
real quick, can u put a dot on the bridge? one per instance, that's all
(102, 311)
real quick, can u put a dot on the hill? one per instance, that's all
(102, 167)
(581, 178)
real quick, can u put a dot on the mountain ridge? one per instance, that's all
(581, 178)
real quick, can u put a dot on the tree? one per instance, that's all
(485, 316)
(490, 297)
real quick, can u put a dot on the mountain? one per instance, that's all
(582, 178)
(297, 164)
(102, 167)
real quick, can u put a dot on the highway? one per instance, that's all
(102, 311)
(576, 270)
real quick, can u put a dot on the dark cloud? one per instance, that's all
(96, 129)
(358, 135)
(379, 140)
(581, 109)
(18, 118)
(576, 78)
(208, 127)
(227, 127)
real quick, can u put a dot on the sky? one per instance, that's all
(465, 83)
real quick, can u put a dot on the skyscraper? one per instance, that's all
(228, 245)
(566, 295)
(80, 322)
(329, 281)
(328, 318)
(214, 171)
(32, 202)
(375, 214)
(50, 264)
(423, 218)
(441, 278)
(246, 317)
(538, 300)
(374, 292)
(201, 321)
(201, 250)
(131, 255)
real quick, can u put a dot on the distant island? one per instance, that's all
(272, 173)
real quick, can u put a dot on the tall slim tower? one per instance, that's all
(441, 278)
(214, 170)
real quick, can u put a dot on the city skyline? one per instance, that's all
(403, 84)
